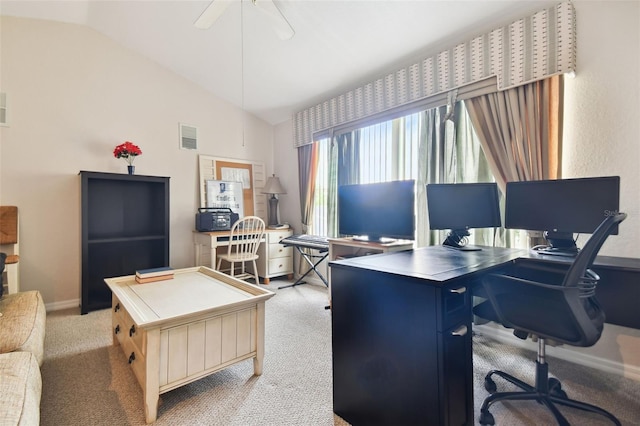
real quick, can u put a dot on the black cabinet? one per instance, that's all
(402, 350)
(125, 227)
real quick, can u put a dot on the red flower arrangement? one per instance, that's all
(128, 151)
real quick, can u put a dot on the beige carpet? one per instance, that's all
(87, 381)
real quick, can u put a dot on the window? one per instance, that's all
(389, 150)
(398, 149)
(440, 145)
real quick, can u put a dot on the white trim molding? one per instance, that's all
(565, 352)
(64, 304)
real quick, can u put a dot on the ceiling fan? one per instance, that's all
(216, 8)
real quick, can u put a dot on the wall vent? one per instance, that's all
(3, 109)
(188, 137)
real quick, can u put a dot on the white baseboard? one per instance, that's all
(65, 304)
(564, 352)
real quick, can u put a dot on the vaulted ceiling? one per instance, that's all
(337, 44)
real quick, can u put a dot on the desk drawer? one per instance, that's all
(127, 329)
(280, 266)
(274, 237)
(278, 250)
(136, 359)
(456, 385)
(456, 304)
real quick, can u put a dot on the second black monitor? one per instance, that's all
(462, 206)
(562, 208)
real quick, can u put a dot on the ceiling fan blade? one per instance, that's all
(211, 14)
(281, 26)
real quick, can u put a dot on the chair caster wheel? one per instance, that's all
(555, 388)
(560, 394)
(486, 418)
(490, 385)
(554, 383)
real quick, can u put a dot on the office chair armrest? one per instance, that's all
(540, 272)
(501, 283)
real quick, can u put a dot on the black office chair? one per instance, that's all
(557, 306)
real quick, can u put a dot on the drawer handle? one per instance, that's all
(460, 331)
(132, 330)
(458, 290)
(117, 329)
(132, 357)
(117, 307)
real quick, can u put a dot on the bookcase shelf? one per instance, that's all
(125, 227)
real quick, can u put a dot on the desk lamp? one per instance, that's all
(273, 187)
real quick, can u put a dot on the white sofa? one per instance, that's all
(22, 330)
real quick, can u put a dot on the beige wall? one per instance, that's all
(73, 95)
(602, 137)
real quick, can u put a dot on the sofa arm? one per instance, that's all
(22, 324)
(20, 389)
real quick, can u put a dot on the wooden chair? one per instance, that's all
(244, 240)
(9, 246)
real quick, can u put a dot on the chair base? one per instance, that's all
(548, 391)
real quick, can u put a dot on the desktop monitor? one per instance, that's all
(460, 207)
(377, 211)
(561, 208)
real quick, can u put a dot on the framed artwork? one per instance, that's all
(225, 194)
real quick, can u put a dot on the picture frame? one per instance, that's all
(225, 194)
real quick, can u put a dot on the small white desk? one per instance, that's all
(275, 259)
(212, 240)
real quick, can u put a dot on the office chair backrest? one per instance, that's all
(567, 313)
(579, 274)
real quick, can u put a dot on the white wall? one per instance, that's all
(73, 95)
(602, 109)
(601, 137)
(285, 164)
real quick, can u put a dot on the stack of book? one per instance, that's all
(154, 274)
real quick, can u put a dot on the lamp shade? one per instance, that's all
(273, 186)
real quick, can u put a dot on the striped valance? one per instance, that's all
(529, 49)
